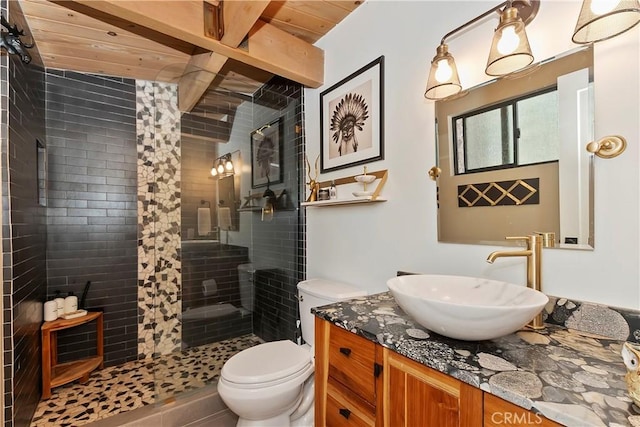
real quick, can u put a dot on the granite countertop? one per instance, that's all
(573, 378)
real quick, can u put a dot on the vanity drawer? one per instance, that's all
(351, 362)
(347, 409)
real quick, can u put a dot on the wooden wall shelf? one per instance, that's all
(54, 374)
(342, 202)
(381, 179)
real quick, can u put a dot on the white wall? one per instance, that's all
(366, 245)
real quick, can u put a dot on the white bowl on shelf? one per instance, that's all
(367, 179)
(362, 193)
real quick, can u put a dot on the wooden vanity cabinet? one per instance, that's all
(348, 378)
(359, 383)
(415, 395)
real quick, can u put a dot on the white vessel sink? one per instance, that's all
(466, 308)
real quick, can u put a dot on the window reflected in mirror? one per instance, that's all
(508, 135)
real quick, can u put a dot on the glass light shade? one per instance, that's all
(443, 76)
(214, 171)
(603, 19)
(220, 167)
(510, 50)
(228, 165)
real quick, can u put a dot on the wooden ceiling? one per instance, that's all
(165, 40)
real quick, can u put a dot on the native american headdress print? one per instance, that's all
(350, 114)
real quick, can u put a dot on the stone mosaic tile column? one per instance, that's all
(159, 266)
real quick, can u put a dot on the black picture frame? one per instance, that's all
(352, 119)
(266, 154)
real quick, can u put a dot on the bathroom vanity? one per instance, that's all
(360, 383)
(376, 367)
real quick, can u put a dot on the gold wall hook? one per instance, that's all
(434, 173)
(608, 147)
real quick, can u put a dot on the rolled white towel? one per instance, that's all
(224, 218)
(204, 221)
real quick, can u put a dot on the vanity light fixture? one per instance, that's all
(228, 164)
(604, 19)
(222, 166)
(443, 77)
(509, 52)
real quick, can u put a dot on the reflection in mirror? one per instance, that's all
(229, 198)
(512, 156)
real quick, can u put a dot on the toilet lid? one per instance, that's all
(266, 362)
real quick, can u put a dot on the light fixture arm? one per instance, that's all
(527, 9)
(496, 9)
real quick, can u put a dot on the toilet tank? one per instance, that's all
(318, 292)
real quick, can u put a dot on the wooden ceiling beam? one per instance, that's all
(199, 73)
(239, 17)
(268, 47)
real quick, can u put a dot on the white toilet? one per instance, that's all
(271, 384)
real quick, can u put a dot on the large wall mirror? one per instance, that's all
(513, 159)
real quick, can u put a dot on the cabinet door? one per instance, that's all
(500, 413)
(415, 395)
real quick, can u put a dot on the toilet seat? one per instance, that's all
(267, 364)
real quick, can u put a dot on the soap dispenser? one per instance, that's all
(333, 192)
(50, 310)
(70, 303)
(59, 304)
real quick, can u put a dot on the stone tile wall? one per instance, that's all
(92, 207)
(159, 264)
(24, 229)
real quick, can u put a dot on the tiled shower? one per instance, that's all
(114, 191)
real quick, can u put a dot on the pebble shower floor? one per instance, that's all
(122, 388)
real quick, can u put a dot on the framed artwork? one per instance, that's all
(352, 119)
(266, 154)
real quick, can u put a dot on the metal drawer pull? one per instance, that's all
(345, 413)
(345, 350)
(377, 369)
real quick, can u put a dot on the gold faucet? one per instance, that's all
(533, 252)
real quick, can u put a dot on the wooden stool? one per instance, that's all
(54, 375)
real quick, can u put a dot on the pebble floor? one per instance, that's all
(129, 386)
